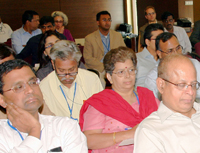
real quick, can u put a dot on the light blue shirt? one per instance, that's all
(20, 37)
(145, 62)
(106, 43)
(150, 80)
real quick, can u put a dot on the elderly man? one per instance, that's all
(25, 130)
(150, 15)
(175, 126)
(168, 23)
(148, 59)
(66, 88)
(98, 43)
(20, 37)
(166, 44)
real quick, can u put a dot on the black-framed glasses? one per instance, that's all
(21, 86)
(65, 74)
(59, 21)
(181, 86)
(172, 50)
(121, 73)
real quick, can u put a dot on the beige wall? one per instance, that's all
(196, 10)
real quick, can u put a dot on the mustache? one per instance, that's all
(63, 79)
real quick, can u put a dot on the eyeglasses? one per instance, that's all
(46, 27)
(151, 13)
(22, 86)
(58, 21)
(122, 73)
(70, 74)
(172, 50)
(109, 20)
(170, 20)
(181, 86)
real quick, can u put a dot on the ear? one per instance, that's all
(146, 17)
(159, 54)
(98, 23)
(160, 85)
(147, 42)
(52, 62)
(2, 101)
(109, 77)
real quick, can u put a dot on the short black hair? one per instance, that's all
(165, 36)
(6, 51)
(149, 29)
(28, 15)
(102, 13)
(8, 66)
(165, 15)
(46, 19)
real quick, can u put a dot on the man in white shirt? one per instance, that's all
(20, 37)
(166, 44)
(148, 59)
(66, 88)
(25, 130)
(168, 23)
(5, 31)
(175, 126)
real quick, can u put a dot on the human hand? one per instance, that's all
(23, 120)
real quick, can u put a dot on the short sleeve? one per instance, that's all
(93, 119)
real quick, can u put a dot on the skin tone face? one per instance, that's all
(175, 99)
(46, 27)
(34, 22)
(168, 23)
(11, 57)
(125, 82)
(63, 67)
(58, 22)
(151, 15)
(167, 46)
(50, 41)
(104, 22)
(30, 99)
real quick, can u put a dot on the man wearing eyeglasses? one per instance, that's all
(168, 23)
(66, 88)
(175, 126)
(98, 43)
(31, 48)
(166, 44)
(150, 15)
(25, 130)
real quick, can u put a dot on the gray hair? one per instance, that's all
(63, 15)
(65, 49)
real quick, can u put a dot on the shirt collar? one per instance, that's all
(102, 36)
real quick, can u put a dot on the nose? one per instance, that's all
(28, 89)
(190, 90)
(126, 74)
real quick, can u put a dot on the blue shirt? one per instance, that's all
(106, 43)
(20, 37)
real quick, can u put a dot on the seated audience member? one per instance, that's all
(150, 15)
(66, 88)
(5, 31)
(25, 130)
(61, 20)
(46, 24)
(148, 59)
(166, 44)
(101, 41)
(175, 126)
(195, 36)
(111, 116)
(20, 37)
(168, 23)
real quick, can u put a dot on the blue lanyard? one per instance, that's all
(18, 130)
(107, 47)
(70, 109)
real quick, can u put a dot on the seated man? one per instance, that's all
(5, 31)
(66, 88)
(168, 23)
(31, 48)
(20, 37)
(167, 43)
(195, 36)
(175, 126)
(148, 59)
(25, 130)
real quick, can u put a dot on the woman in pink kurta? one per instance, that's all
(111, 116)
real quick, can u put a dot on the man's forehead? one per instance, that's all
(47, 24)
(150, 10)
(171, 43)
(105, 16)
